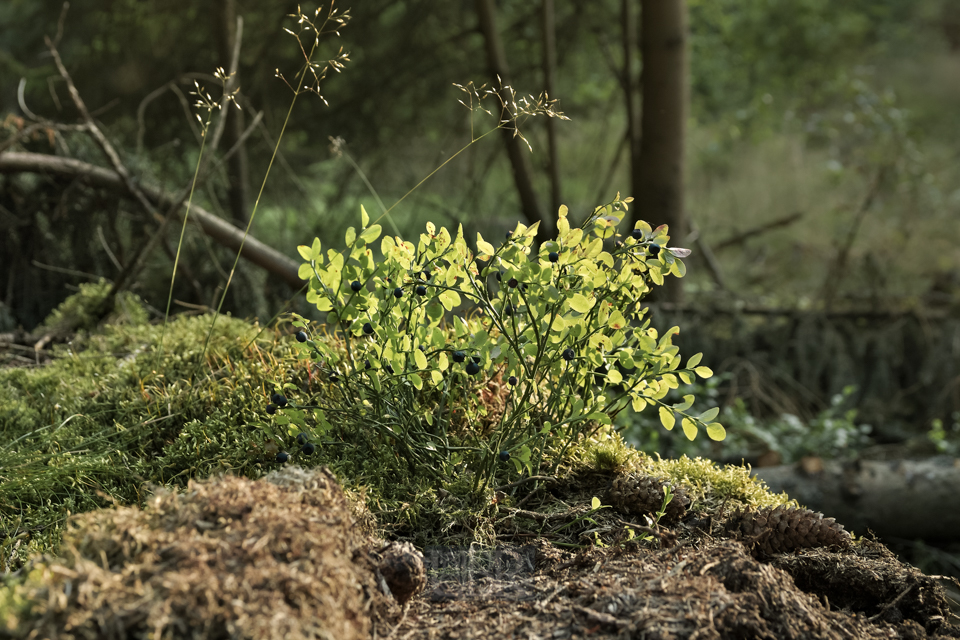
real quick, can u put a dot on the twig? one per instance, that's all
(740, 238)
(523, 480)
(890, 604)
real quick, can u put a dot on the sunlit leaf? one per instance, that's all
(666, 418)
(716, 432)
(689, 428)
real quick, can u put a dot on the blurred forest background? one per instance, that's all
(819, 151)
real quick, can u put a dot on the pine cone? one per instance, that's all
(638, 495)
(782, 529)
(401, 566)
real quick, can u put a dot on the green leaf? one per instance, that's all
(305, 270)
(710, 414)
(704, 372)
(305, 252)
(638, 404)
(350, 236)
(371, 233)
(364, 218)
(689, 428)
(694, 360)
(666, 418)
(437, 377)
(415, 380)
(715, 431)
(595, 503)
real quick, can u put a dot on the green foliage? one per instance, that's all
(946, 438)
(76, 312)
(563, 323)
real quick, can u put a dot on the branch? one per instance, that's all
(740, 238)
(217, 229)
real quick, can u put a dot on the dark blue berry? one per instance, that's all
(368, 328)
(282, 457)
(388, 368)
(271, 408)
(309, 448)
(366, 364)
(512, 283)
(654, 250)
(301, 438)
(568, 354)
(421, 290)
(301, 336)
(554, 256)
(278, 399)
(509, 234)
(512, 380)
(504, 455)
(459, 356)
(476, 359)
(334, 376)
(499, 276)
(637, 234)
(473, 369)
(356, 286)
(398, 293)
(508, 310)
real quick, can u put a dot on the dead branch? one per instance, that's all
(740, 238)
(216, 228)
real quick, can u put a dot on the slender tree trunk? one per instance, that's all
(549, 29)
(663, 45)
(238, 173)
(516, 149)
(631, 92)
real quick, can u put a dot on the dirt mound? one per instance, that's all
(713, 589)
(229, 558)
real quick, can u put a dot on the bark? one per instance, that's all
(516, 149)
(549, 29)
(659, 175)
(908, 499)
(218, 230)
(628, 83)
(238, 174)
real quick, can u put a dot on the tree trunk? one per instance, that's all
(628, 83)
(238, 173)
(909, 499)
(549, 28)
(663, 45)
(516, 149)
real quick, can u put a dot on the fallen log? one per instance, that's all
(908, 499)
(216, 228)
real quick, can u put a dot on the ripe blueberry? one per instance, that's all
(368, 328)
(512, 283)
(356, 286)
(504, 455)
(637, 234)
(301, 438)
(421, 290)
(568, 354)
(398, 293)
(278, 399)
(473, 369)
(654, 250)
(301, 336)
(459, 356)
(512, 380)
(499, 276)
(334, 376)
(309, 448)
(271, 408)
(282, 457)
(388, 368)
(554, 256)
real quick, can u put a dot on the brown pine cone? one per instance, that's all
(782, 529)
(638, 495)
(401, 566)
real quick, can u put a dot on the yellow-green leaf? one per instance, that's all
(715, 431)
(442, 362)
(437, 377)
(364, 218)
(639, 404)
(595, 503)
(371, 233)
(614, 377)
(667, 419)
(415, 380)
(710, 414)
(350, 236)
(694, 360)
(484, 247)
(704, 372)
(305, 252)
(420, 359)
(305, 271)
(580, 303)
(689, 428)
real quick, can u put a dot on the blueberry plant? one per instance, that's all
(560, 329)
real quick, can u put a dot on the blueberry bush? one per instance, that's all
(557, 332)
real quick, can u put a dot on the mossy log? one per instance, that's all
(909, 499)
